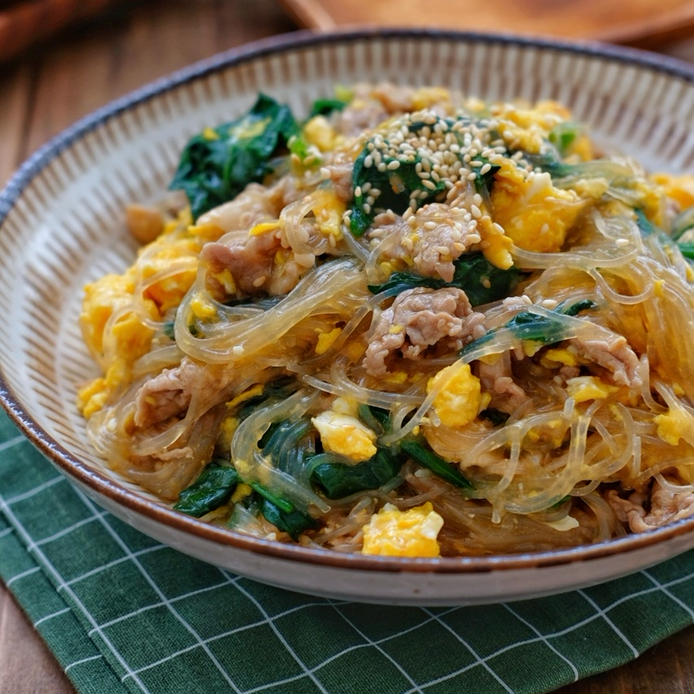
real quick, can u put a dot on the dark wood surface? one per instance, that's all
(45, 89)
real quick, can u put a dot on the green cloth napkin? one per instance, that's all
(123, 613)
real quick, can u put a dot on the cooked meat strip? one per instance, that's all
(338, 170)
(248, 258)
(497, 380)
(420, 318)
(255, 204)
(666, 507)
(430, 240)
(170, 393)
(613, 353)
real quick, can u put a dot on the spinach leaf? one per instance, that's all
(484, 181)
(168, 329)
(324, 107)
(395, 187)
(210, 490)
(684, 222)
(399, 177)
(549, 162)
(575, 308)
(338, 479)
(531, 326)
(496, 417)
(546, 329)
(376, 418)
(422, 454)
(563, 135)
(216, 164)
(646, 227)
(278, 501)
(279, 389)
(287, 442)
(481, 281)
(293, 521)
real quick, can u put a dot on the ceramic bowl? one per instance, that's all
(62, 224)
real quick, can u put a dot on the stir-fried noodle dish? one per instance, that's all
(410, 323)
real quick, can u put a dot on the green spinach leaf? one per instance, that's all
(481, 281)
(211, 489)
(324, 107)
(563, 135)
(422, 454)
(293, 521)
(531, 326)
(218, 163)
(338, 478)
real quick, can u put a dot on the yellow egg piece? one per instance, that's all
(411, 533)
(320, 133)
(163, 285)
(345, 435)
(460, 396)
(534, 213)
(584, 388)
(678, 188)
(674, 425)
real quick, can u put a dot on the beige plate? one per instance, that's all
(61, 224)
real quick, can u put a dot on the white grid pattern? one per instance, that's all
(612, 625)
(313, 673)
(158, 590)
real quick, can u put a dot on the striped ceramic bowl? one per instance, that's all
(61, 225)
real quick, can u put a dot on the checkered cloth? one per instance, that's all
(123, 613)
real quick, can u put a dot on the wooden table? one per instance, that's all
(45, 90)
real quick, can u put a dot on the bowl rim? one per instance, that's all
(97, 482)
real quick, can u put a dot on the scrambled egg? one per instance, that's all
(677, 423)
(535, 214)
(320, 133)
(345, 435)
(410, 533)
(677, 188)
(460, 397)
(115, 305)
(495, 245)
(328, 210)
(526, 128)
(584, 388)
